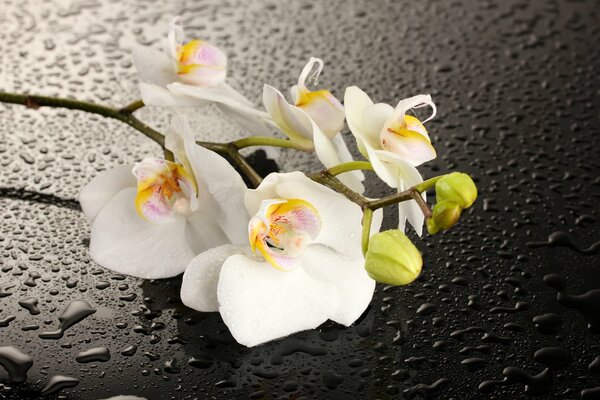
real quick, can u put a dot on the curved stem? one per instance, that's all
(366, 229)
(350, 166)
(267, 141)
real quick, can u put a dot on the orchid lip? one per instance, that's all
(282, 229)
(164, 190)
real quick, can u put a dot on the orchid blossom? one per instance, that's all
(192, 74)
(302, 266)
(151, 219)
(394, 142)
(314, 120)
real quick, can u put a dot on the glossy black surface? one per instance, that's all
(509, 301)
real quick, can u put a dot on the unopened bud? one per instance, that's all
(392, 258)
(445, 215)
(456, 187)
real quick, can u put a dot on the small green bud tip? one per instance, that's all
(457, 187)
(445, 215)
(392, 258)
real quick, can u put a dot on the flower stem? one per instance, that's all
(404, 195)
(349, 166)
(267, 141)
(366, 229)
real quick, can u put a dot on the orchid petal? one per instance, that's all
(219, 185)
(199, 284)
(174, 39)
(292, 121)
(153, 66)
(203, 230)
(410, 145)
(374, 118)
(347, 277)
(98, 192)
(328, 151)
(230, 102)
(355, 103)
(384, 170)
(259, 303)
(407, 176)
(153, 95)
(123, 242)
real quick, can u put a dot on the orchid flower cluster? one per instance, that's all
(298, 249)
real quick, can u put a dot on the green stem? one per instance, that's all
(366, 229)
(405, 195)
(350, 166)
(267, 141)
(132, 107)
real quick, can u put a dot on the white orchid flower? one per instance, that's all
(192, 74)
(314, 120)
(394, 142)
(307, 264)
(152, 223)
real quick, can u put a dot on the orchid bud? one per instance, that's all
(445, 215)
(456, 187)
(392, 258)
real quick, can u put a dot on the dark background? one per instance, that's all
(517, 89)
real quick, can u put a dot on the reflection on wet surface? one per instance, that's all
(506, 306)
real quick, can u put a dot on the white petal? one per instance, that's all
(203, 231)
(259, 303)
(220, 185)
(374, 119)
(235, 95)
(124, 242)
(351, 179)
(355, 103)
(250, 122)
(347, 276)
(158, 96)
(98, 192)
(253, 198)
(407, 176)
(384, 170)
(153, 66)
(341, 219)
(327, 152)
(217, 94)
(199, 285)
(292, 121)
(174, 37)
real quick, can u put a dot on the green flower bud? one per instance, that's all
(392, 258)
(445, 215)
(457, 187)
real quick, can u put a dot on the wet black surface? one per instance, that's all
(509, 301)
